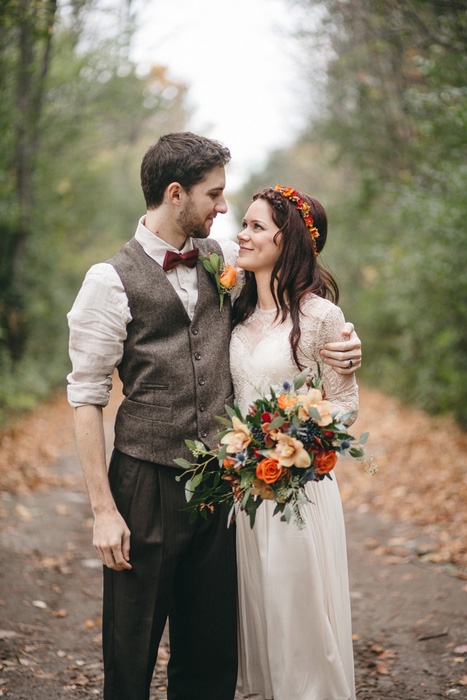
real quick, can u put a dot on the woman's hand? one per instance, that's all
(346, 355)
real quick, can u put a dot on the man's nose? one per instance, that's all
(221, 206)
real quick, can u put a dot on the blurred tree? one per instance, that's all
(387, 156)
(75, 117)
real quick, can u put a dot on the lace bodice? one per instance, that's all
(261, 356)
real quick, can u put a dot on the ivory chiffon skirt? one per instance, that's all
(294, 608)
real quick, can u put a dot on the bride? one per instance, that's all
(294, 609)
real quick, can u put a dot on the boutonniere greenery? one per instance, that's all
(224, 274)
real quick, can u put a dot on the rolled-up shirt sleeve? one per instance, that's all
(97, 322)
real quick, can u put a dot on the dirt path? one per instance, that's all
(409, 614)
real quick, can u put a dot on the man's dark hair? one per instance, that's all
(180, 157)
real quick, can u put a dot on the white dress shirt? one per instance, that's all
(100, 315)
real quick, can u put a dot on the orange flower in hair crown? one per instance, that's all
(304, 210)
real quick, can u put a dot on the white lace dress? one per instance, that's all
(294, 609)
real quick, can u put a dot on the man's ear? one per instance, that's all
(174, 193)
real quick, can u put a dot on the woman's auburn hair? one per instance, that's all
(297, 271)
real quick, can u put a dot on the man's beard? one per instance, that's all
(191, 223)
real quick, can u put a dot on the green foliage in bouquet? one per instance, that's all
(285, 440)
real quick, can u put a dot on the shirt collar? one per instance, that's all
(156, 247)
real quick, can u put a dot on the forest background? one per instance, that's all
(384, 147)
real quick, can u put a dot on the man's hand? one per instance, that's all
(344, 356)
(112, 540)
(111, 534)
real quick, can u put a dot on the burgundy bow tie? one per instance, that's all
(188, 259)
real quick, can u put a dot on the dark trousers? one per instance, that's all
(183, 571)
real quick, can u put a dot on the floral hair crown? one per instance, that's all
(304, 210)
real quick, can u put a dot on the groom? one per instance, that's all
(153, 311)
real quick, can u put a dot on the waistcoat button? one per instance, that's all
(204, 433)
(201, 382)
(202, 407)
(197, 356)
(195, 331)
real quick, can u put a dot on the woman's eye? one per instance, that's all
(243, 224)
(258, 227)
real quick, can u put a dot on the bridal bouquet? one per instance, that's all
(284, 441)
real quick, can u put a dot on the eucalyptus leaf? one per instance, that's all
(301, 378)
(276, 423)
(195, 481)
(363, 438)
(346, 416)
(223, 421)
(314, 413)
(183, 463)
(287, 514)
(188, 491)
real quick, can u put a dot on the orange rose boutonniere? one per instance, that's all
(225, 275)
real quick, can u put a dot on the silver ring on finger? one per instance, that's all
(350, 365)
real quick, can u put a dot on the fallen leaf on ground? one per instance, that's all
(382, 669)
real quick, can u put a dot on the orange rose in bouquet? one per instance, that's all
(325, 462)
(269, 470)
(285, 440)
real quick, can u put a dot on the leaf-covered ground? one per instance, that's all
(408, 596)
(422, 461)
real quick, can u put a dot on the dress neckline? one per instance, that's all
(266, 311)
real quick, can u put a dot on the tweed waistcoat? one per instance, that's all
(175, 371)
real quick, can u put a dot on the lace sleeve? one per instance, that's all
(321, 326)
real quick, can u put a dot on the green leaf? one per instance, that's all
(357, 451)
(276, 423)
(301, 378)
(195, 481)
(193, 516)
(218, 436)
(183, 463)
(224, 421)
(287, 514)
(363, 438)
(208, 266)
(313, 413)
(188, 491)
(346, 416)
(215, 260)
(222, 454)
